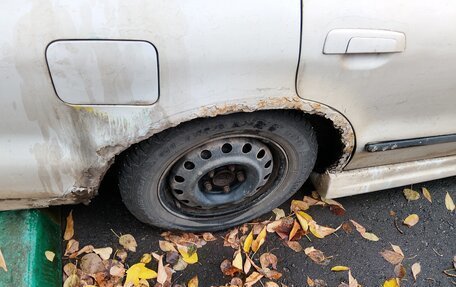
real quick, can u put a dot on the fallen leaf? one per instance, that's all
(298, 205)
(69, 229)
(397, 249)
(236, 282)
(416, 269)
(91, 264)
(104, 253)
(320, 231)
(2, 262)
(49, 256)
(228, 269)
(162, 275)
(268, 259)
(449, 202)
(248, 242)
(146, 258)
(392, 282)
(121, 254)
(232, 239)
(208, 236)
(411, 194)
(85, 249)
(346, 226)
(426, 194)
(317, 256)
(362, 231)
(312, 201)
(117, 270)
(296, 227)
(180, 264)
(271, 284)
(294, 245)
(392, 257)
(193, 282)
(189, 254)
(352, 282)
(279, 213)
(260, 239)
(237, 261)
(72, 281)
(302, 220)
(139, 271)
(399, 270)
(252, 279)
(411, 220)
(247, 266)
(166, 246)
(128, 242)
(71, 247)
(340, 268)
(334, 206)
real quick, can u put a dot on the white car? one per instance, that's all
(218, 111)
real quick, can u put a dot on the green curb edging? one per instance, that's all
(24, 237)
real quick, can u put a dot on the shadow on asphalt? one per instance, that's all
(432, 242)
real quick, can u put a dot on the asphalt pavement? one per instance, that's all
(432, 241)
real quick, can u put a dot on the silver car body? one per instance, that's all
(81, 81)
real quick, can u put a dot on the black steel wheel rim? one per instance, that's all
(222, 177)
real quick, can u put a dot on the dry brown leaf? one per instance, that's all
(392, 257)
(72, 281)
(397, 249)
(411, 194)
(162, 274)
(104, 253)
(91, 264)
(252, 279)
(268, 259)
(320, 231)
(121, 254)
(128, 242)
(399, 270)
(271, 284)
(208, 236)
(166, 246)
(236, 282)
(117, 270)
(316, 282)
(317, 256)
(334, 206)
(411, 220)
(3, 262)
(69, 229)
(71, 247)
(449, 203)
(352, 282)
(426, 194)
(261, 238)
(228, 269)
(193, 282)
(247, 266)
(279, 213)
(367, 235)
(294, 245)
(416, 269)
(312, 201)
(179, 264)
(232, 239)
(237, 261)
(49, 255)
(85, 249)
(298, 205)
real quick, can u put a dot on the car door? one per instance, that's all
(389, 67)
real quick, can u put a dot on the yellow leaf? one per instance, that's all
(237, 262)
(2, 262)
(411, 220)
(69, 229)
(449, 202)
(370, 236)
(146, 258)
(139, 271)
(256, 244)
(320, 231)
(293, 231)
(426, 194)
(49, 255)
(248, 242)
(416, 269)
(393, 282)
(188, 257)
(302, 221)
(362, 231)
(306, 216)
(340, 268)
(411, 194)
(193, 282)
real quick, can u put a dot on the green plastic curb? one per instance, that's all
(24, 237)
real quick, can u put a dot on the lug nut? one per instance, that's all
(226, 189)
(232, 167)
(207, 186)
(211, 174)
(240, 176)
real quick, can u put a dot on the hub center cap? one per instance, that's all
(223, 178)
